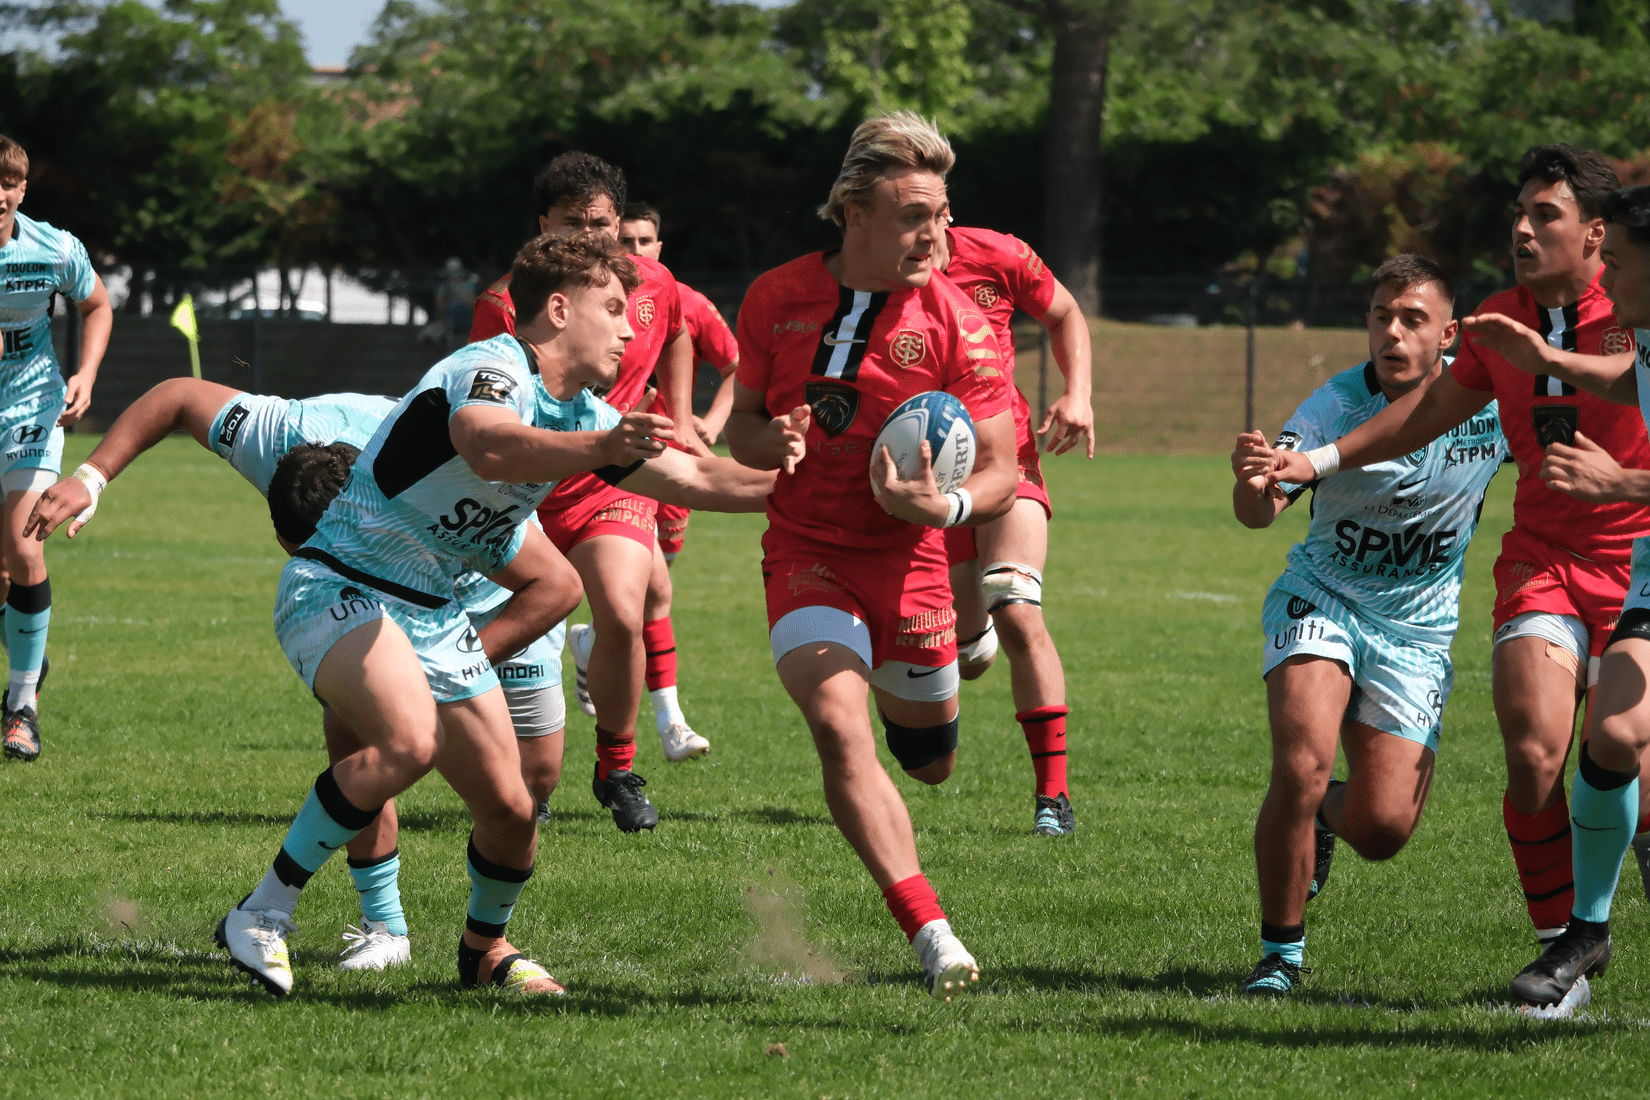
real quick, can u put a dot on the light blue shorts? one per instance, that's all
(536, 666)
(31, 457)
(314, 607)
(1398, 686)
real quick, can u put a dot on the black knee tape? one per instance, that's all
(340, 808)
(30, 599)
(1601, 778)
(918, 748)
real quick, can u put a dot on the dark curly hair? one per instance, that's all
(1590, 177)
(547, 264)
(1630, 209)
(305, 482)
(577, 175)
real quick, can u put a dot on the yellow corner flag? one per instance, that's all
(183, 319)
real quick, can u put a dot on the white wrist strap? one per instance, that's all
(1325, 460)
(95, 484)
(962, 506)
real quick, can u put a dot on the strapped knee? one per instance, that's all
(1008, 582)
(918, 748)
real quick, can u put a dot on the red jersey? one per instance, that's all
(854, 356)
(1001, 274)
(713, 341)
(655, 313)
(1597, 532)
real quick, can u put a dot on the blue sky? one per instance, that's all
(332, 28)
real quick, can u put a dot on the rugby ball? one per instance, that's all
(943, 421)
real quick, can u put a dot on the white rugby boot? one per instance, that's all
(581, 637)
(681, 743)
(947, 966)
(256, 942)
(373, 947)
(1579, 996)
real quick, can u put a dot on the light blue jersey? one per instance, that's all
(1390, 540)
(1638, 589)
(37, 262)
(254, 432)
(414, 515)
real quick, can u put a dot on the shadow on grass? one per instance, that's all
(199, 817)
(782, 815)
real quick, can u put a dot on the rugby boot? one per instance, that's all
(1582, 951)
(580, 638)
(514, 973)
(541, 812)
(947, 967)
(21, 732)
(256, 942)
(1054, 816)
(373, 947)
(679, 743)
(1579, 996)
(1325, 854)
(1273, 976)
(621, 792)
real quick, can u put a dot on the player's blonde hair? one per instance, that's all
(14, 162)
(903, 139)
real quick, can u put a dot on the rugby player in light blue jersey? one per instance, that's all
(1358, 627)
(366, 609)
(1606, 799)
(254, 433)
(36, 261)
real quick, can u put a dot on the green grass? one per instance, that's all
(179, 743)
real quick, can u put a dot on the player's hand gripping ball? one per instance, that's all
(943, 421)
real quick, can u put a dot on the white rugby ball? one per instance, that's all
(943, 421)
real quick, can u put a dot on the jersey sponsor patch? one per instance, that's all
(491, 385)
(834, 405)
(1300, 608)
(1287, 441)
(232, 425)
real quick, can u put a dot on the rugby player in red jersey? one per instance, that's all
(1564, 566)
(609, 534)
(1001, 275)
(859, 598)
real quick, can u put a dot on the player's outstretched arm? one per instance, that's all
(762, 442)
(991, 487)
(1588, 472)
(1070, 420)
(98, 319)
(1408, 424)
(186, 404)
(704, 484)
(499, 447)
(1255, 502)
(1608, 376)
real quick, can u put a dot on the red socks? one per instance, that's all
(913, 903)
(1046, 738)
(1541, 849)
(614, 751)
(659, 642)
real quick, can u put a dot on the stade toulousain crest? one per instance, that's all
(907, 348)
(644, 312)
(985, 295)
(1616, 341)
(833, 404)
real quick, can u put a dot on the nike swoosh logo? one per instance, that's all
(915, 675)
(36, 630)
(329, 847)
(834, 342)
(1411, 484)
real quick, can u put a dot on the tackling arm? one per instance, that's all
(1608, 376)
(499, 447)
(1255, 503)
(705, 484)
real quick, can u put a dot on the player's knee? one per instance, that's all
(1301, 777)
(1377, 836)
(918, 748)
(935, 773)
(1020, 626)
(1619, 732)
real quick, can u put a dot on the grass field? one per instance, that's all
(179, 743)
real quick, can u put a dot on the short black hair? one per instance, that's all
(305, 482)
(641, 212)
(1629, 208)
(578, 175)
(1589, 175)
(1407, 269)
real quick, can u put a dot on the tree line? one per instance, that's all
(1139, 137)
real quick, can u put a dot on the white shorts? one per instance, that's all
(918, 683)
(1565, 632)
(315, 607)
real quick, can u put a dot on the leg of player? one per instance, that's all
(676, 737)
(615, 571)
(1378, 807)
(481, 762)
(828, 683)
(541, 758)
(375, 868)
(1536, 685)
(372, 680)
(976, 633)
(1604, 808)
(28, 616)
(1306, 698)
(1013, 551)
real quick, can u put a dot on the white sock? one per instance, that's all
(272, 893)
(21, 692)
(667, 711)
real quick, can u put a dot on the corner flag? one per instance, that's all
(183, 319)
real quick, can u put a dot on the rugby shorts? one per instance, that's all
(902, 595)
(672, 522)
(606, 511)
(1533, 575)
(1635, 610)
(960, 543)
(1398, 686)
(536, 666)
(315, 607)
(32, 456)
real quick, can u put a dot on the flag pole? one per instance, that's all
(183, 319)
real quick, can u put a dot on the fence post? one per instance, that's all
(1249, 365)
